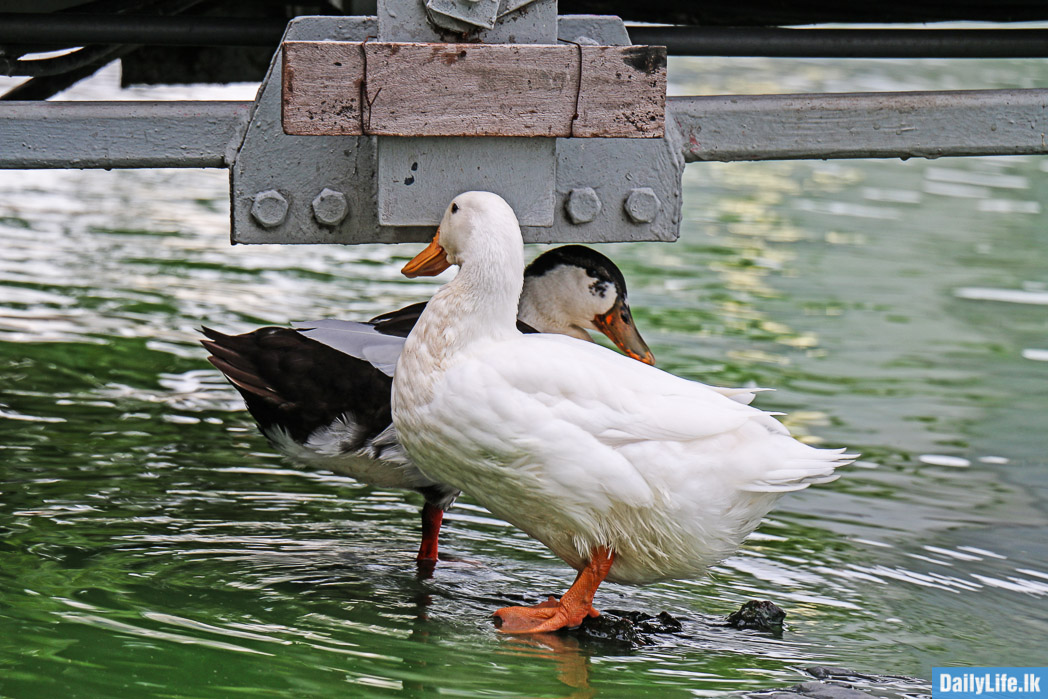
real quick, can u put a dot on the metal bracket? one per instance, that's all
(453, 14)
(361, 189)
(531, 22)
(467, 15)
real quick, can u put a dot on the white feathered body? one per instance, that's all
(581, 447)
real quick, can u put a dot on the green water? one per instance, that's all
(151, 544)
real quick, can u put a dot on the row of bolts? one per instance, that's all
(269, 208)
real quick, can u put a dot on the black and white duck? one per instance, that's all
(320, 392)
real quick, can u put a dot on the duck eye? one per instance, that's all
(454, 207)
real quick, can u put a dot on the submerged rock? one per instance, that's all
(830, 672)
(759, 616)
(901, 686)
(634, 629)
(814, 690)
(842, 683)
(663, 622)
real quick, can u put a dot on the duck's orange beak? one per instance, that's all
(618, 325)
(428, 263)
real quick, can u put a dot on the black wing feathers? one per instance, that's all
(299, 384)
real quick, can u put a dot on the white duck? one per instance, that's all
(625, 471)
(320, 392)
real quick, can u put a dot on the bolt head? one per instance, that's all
(642, 205)
(330, 207)
(269, 208)
(582, 205)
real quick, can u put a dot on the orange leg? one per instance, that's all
(432, 516)
(570, 610)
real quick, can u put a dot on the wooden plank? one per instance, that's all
(623, 92)
(322, 88)
(417, 89)
(470, 90)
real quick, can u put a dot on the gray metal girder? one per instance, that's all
(138, 134)
(120, 134)
(862, 125)
(595, 190)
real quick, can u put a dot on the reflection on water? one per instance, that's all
(150, 539)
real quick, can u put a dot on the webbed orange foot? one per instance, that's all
(567, 612)
(550, 615)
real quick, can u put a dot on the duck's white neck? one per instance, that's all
(480, 303)
(486, 295)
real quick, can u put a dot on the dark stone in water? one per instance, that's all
(814, 690)
(829, 672)
(837, 683)
(633, 629)
(662, 622)
(759, 616)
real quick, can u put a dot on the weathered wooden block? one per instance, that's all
(416, 89)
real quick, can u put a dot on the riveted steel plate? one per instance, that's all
(300, 168)
(419, 176)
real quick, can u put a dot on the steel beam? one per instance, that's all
(725, 128)
(844, 43)
(592, 195)
(681, 40)
(120, 134)
(80, 29)
(861, 125)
